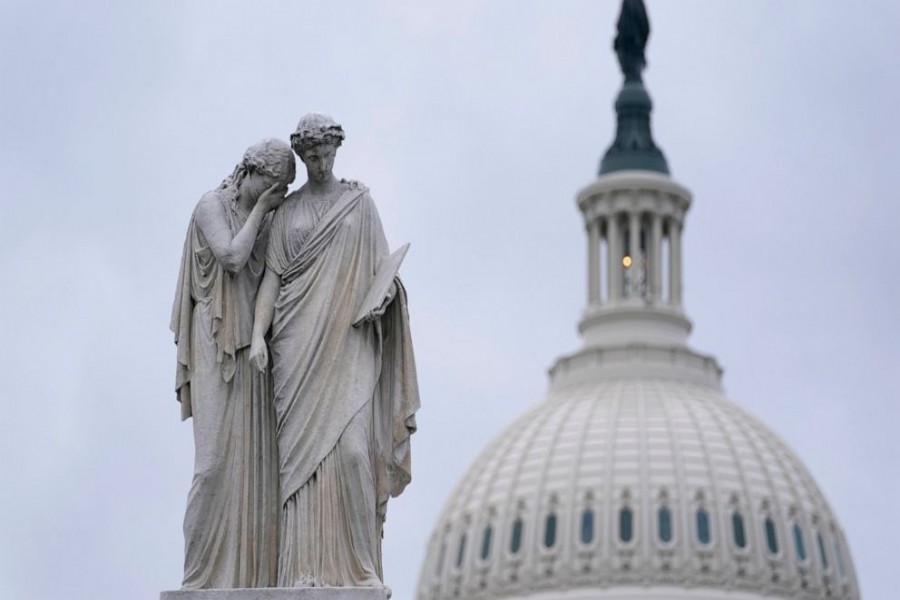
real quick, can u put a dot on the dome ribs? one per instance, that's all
(760, 506)
(547, 498)
(583, 496)
(715, 498)
(679, 502)
(510, 504)
(739, 499)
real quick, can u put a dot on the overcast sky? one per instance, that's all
(474, 123)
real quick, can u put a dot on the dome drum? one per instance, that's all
(639, 323)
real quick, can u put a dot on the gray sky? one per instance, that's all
(474, 124)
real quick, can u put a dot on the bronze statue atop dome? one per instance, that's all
(633, 29)
(633, 147)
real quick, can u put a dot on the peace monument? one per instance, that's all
(295, 363)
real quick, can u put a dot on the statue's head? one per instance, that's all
(271, 157)
(265, 163)
(315, 129)
(316, 141)
(632, 32)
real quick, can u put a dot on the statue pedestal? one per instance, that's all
(318, 593)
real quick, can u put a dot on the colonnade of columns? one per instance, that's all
(633, 243)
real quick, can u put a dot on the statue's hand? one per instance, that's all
(273, 197)
(392, 291)
(259, 354)
(379, 312)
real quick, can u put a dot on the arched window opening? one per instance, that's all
(486, 542)
(799, 544)
(771, 536)
(550, 530)
(664, 517)
(737, 528)
(587, 526)
(461, 553)
(703, 532)
(515, 540)
(626, 524)
(823, 556)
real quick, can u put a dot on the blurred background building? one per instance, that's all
(636, 477)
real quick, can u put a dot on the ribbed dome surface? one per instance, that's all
(637, 482)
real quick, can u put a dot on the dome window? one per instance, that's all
(799, 545)
(823, 556)
(626, 524)
(461, 553)
(515, 540)
(664, 518)
(587, 526)
(703, 532)
(737, 528)
(771, 536)
(550, 531)
(486, 542)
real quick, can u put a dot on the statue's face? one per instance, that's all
(258, 182)
(319, 161)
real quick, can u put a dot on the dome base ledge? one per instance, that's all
(634, 321)
(635, 361)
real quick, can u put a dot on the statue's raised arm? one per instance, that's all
(632, 32)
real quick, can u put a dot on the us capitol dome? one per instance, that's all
(636, 478)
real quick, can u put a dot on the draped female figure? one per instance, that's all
(345, 395)
(231, 521)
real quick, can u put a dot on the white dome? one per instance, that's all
(717, 504)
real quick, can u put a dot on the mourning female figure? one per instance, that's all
(231, 522)
(345, 390)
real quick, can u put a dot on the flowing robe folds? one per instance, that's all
(345, 397)
(231, 522)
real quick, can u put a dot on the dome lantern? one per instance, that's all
(634, 215)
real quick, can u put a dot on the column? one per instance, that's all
(614, 258)
(593, 262)
(634, 249)
(655, 258)
(674, 261)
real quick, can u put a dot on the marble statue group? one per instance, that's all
(295, 363)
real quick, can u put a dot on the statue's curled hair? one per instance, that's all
(315, 129)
